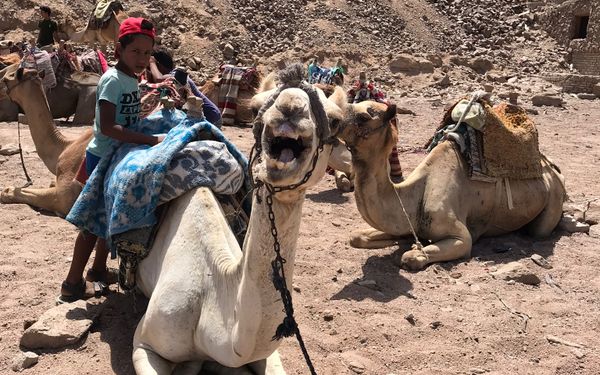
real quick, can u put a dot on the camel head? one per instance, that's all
(369, 126)
(293, 128)
(15, 83)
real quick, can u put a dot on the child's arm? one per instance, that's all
(120, 133)
(156, 74)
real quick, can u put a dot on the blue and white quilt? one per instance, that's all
(132, 180)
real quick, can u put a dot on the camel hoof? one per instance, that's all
(358, 241)
(344, 184)
(414, 260)
(7, 194)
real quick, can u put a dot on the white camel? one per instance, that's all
(210, 301)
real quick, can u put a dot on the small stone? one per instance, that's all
(436, 324)
(476, 370)
(569, 224)
(456, 275)
(516, 272)
(579, 354)
(327, 316)
(28, 323)
(410, 318)
(24, 360)
(9, 149)
(371, 284)
(540, 261)
(296, 288)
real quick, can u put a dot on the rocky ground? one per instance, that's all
(358, 311)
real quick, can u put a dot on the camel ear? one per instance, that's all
(390, 113)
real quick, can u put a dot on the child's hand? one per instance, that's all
(159, 138)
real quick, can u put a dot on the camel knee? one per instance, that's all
(146, 362)
(7, 195)
(343, 182)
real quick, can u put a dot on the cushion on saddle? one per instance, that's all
(129, 182)
(100, 17)
(506, 147)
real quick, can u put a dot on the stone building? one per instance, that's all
(576, 25)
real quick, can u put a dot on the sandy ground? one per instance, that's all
(473, 330)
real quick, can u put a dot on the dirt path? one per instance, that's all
(462, 325)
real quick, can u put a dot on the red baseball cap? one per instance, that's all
(133, 25)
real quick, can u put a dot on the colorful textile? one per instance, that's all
(40, 60)
(151, 93)
(228, 92)
(363, 90)
(329, 76)
(132, 180)
(94, 61)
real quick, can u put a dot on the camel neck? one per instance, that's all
(259, 309)
(49, 141)
(378, 199)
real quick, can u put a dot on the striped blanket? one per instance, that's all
(228, 92)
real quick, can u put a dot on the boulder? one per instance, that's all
(62, 325)
(549, 100)
(24, 360)
(411, 65)
(517, 272)
(481, 65)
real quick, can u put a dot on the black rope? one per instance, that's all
(29, 182)
(289, 326)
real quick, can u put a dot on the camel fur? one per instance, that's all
(210, 300)
(448, 210)
(74, 96)
(62, 156)
(104, 36)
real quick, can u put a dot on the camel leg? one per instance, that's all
(455, 245)
(543, 225)
(46, 199)
(145, 361)
(188, 368)
(343, 182)
(270, 366)
(375, 239)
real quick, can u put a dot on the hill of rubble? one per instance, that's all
(464, 42)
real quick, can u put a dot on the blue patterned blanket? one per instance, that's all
(132, 180)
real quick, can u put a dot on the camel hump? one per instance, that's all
(499, 141)
(85, 78)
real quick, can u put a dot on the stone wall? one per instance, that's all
(574, 83)
(560, 21)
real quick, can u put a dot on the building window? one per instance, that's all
(581, 27)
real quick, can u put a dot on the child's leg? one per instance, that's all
(101, 256)
(84, 244)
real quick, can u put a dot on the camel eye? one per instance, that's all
(362, 118)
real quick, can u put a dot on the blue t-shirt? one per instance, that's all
(121, 90)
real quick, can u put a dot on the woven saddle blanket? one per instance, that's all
(505, 146)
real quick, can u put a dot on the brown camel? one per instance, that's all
(61, 156)
(104, 36)
(443, 204)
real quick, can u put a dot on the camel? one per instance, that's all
(443, 204)
(62, 156)
(104, 36)
(209, 299)
(75, 95)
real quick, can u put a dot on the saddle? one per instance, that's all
(103, 12)
(498, 141)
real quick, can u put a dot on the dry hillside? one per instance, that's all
(489, 41)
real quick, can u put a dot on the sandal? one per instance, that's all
(109, 276)
(84, 290)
